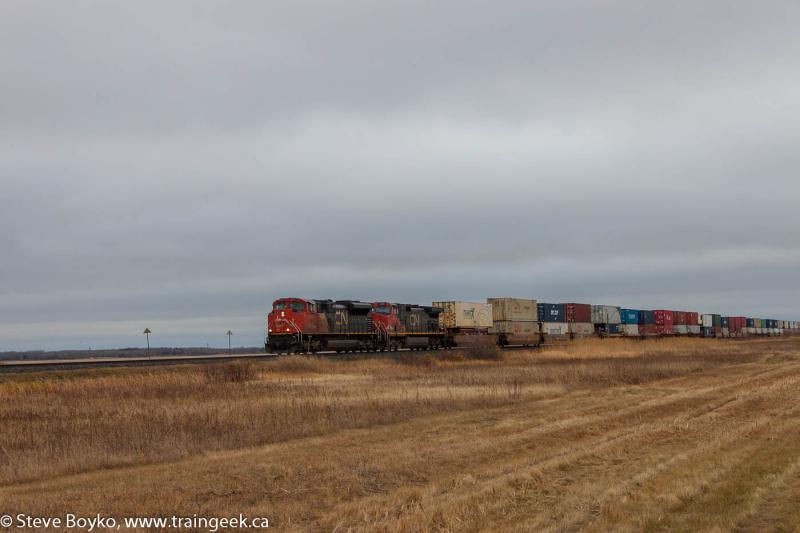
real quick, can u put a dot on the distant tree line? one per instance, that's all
(122, 352)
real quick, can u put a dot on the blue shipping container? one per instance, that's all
(725, 322)
(611, 329)
(551, 312)
(647, 317)
(629, 316)
(751, 323)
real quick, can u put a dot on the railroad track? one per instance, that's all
(75, 364)
(34, 365)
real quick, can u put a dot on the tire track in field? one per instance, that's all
(781, 490)
(573, 453)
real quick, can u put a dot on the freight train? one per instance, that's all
(310, 326)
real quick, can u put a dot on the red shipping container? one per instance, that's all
(737, 323)
(648, 329)
(662, 329)
(578, 312)
(664, 318)
(679, 318)
(692, 319)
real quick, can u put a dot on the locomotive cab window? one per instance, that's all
(384, 310)
(280, 305)
(297, 307)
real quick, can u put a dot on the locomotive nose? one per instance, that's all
(278, 322)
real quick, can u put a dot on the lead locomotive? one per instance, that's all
(309, 326)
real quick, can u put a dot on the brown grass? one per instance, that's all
(232, 372)
(610, 434)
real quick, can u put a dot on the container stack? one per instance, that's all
(553, 320)
(664, 321)
(647, 323)
(726, 330)
(679, 325)
(693, 324)
(607, 319)
(738, 326)
(630, 322)
(516, 319)
(579, 320)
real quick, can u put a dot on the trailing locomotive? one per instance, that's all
(309, 326)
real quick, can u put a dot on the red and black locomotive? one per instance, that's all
(309, 326)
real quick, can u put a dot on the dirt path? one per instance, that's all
(717, 449)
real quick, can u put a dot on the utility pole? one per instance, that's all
(229, 333)
(147, 333)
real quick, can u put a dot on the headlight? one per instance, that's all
(288, 329)
(270, 330)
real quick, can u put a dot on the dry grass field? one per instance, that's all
(683, 434)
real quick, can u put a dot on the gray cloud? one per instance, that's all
(184, 164)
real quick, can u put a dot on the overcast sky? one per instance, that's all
(179, 165)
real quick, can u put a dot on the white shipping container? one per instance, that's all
(695, 330)
(555, 328)
(581, 329)
(630, 330)
(680, 329)
(468, 315)
(708, 321)
(515, 309)
(606, 314)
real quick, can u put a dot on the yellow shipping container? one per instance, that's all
(513, 309)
